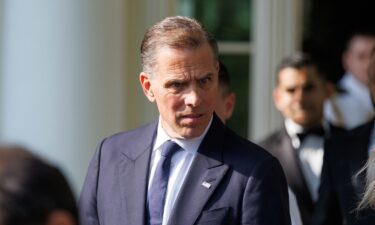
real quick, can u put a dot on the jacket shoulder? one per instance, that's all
(243, 152)
(131, 142)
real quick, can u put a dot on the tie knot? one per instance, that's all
(169, 148)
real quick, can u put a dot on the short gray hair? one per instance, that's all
(176, 32)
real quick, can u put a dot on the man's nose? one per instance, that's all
(299, 95)
(193, 97)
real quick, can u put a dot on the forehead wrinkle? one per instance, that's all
(187, 70)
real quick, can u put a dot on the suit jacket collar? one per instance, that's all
(292, 166)
(134, 172)
(142, 142)
(203, 178)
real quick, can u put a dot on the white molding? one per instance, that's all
(276, 33)
(138, 109)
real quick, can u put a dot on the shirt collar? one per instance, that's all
(351, 84)
(191, 145)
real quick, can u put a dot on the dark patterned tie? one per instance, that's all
(159, 184)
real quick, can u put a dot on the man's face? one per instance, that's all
(357, 58)
(183, 85)
(300, 96)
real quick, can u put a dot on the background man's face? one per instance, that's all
(357, 58)
(184, 85)
(300, 96)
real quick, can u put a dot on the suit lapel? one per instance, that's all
(292, 164)
(357, 161)
(204, 176)
(134, 173)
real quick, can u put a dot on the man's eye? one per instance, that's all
(290, 90)
(176, 85)
(205, 81)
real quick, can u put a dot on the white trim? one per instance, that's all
(277, 33)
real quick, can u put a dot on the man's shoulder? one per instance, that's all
(275, 136)
(274, 140)
(136, 133)
(347, 142)
(243, 150)
(130, 141)
(346, 136)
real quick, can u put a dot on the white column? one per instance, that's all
(277, 32)
(62, 78)
(140, 14)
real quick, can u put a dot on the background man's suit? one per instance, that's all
(280, 145)
(247, 185)
(340, 189)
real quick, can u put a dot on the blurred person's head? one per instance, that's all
(226, 98)
(180, 74)
(356, 57)
(33, 192)
(301, 90)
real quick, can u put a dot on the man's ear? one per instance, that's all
(276, 98)
(230, 102)
(60, 217)
(145, 80)
(330, 89)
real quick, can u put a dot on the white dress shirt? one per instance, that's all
(310, 153)
(180, 164)
(352, 108)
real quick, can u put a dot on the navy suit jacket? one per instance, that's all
(340, 190)
(247, 183)
(280, 145)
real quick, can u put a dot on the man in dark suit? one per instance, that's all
(213, 176)
(341, 188)
(299, 95)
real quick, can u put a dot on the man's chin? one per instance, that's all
(191, 132)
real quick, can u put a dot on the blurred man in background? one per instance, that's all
(299, 95)
(224, 109)
(345, 154)
(352, 105)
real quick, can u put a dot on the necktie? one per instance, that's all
(159, 184)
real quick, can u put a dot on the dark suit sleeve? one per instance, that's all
(327, 209)
(266, 197)
(88, 198)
